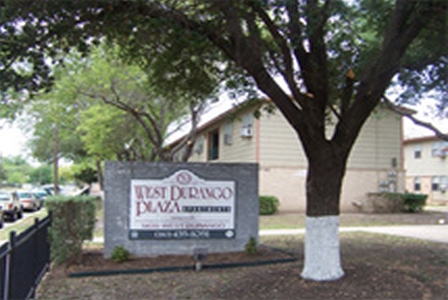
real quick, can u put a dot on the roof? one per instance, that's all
(215, 113)
(422, 139)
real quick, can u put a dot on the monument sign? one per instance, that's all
(166, 208)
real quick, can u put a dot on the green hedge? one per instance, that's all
(410, 202)
(73, 221)
(414, 202)
(268, 205)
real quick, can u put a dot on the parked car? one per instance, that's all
(10, 205)
(2, 217)
(41, 195)
(28, 200)
(49, 188)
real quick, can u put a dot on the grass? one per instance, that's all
(22, 224)
(297, 220)
(282, 221)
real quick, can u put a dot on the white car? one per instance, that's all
(10, 205)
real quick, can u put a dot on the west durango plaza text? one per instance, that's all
(182, 206)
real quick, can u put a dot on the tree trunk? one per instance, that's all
(324, 182)
(56, 161)
(99, 171)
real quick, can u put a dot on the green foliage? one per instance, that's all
(16, 170)
(110, 134)
(73, 221)
(414, 202)
(120, 254)
(3, 175)
(408, 202)
(251, 246)
(41, 175)
(268, 205)
(87, 175)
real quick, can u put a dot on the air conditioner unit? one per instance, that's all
(246, 131)
(441, 153)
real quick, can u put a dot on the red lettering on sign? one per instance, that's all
(164, 206)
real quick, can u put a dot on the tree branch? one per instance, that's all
(410, 115)
(288, 71)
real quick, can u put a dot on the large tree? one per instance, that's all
(314, 59)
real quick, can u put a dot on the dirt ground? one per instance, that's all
(376, 267)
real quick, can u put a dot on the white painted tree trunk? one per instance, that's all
(322, 253)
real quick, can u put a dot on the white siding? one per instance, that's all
(425, 168)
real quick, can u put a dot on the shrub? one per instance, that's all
(408, 202)
(414, 202)
(120, 254)
(251, 246)
(73, 221)
(268, 205)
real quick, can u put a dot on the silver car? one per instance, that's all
(28, 200)
(10, 205)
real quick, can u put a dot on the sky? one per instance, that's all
(13, 139)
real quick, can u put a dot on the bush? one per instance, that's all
(414, 202)
(251, 246)
(72, 222)
(268, 205)
(120, 254)
(408, 202)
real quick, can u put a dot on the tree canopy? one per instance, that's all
(314, 59)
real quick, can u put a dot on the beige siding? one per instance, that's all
(378, 143)
(200, 155)
(424, 168)
(279, 144)
(283, 165)
(241, 149)
(288, 185)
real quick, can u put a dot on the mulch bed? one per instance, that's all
(93, 262)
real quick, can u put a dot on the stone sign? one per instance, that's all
(166, 208)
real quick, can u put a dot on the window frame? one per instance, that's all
(417, 151)
(228, 133)
(417, 184)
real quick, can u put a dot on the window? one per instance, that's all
(199, 145)
(228, 129)
(417, 184)
(247, 125)
(417, 151)
(435, 183)
(213, 145)
(439, 149)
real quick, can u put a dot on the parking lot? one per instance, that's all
(26, 214)
(24, 222)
